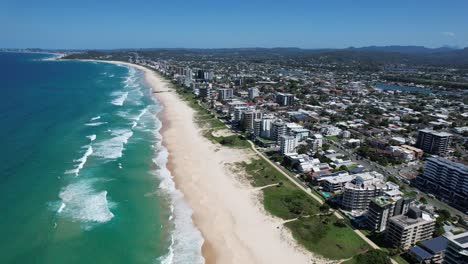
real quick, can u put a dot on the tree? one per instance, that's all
(340, 223)
(343, 168)
(324, 208)
(302, 149)
(445, 214)
(423, 200)
(392, 179)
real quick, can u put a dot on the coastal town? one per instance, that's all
(378, 152)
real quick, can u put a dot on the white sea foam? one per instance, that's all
(113, 147)
(81, 162)
(130, 80)
(84, 204)
(119, 101)
(138, 117)
(134, 124)
(95, 118)
(62, 206)
(95, 124)
(91, 137)
(186, 239)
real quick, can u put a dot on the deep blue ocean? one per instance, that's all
(82, 171)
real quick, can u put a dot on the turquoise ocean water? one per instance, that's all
(82, 171)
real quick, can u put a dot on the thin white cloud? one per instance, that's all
(448, 34)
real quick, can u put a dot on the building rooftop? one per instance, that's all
(436, 133)
(384, 200)
(435, 245)
(447, 162)
(420, 253)
(410, 219)
(342, 178)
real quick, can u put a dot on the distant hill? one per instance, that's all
(365, 58)
(404, 49)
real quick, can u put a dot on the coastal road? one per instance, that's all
(309, 192)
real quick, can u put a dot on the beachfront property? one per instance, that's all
(365, 186)
(278, 129)
(405, 231)
(287, 144)
(382, 208)
(335, 183)
(305, 163)
(266, 123)
(430, 251)
(457, 249)
(248, 120)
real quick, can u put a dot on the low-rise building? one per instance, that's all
(336, 183)
(329, 130)
(431, 251)
(457, 249)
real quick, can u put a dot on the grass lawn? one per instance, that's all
(233, 141)
(263, 174)
(320, 235)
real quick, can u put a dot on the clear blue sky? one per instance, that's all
(229, 24)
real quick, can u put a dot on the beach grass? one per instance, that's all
(319, 234)
(233, 141)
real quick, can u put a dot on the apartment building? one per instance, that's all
(278, 129)
(457, 249)
(287, 144)
(434, 142)
(253, 92)
(248, 119)
(447, 179)
(406, 230)
(225, 93)
(382, 208)
(284, 99)
(365, 186)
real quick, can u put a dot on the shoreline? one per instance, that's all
(226, 208)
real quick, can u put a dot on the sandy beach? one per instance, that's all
(226, 209)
